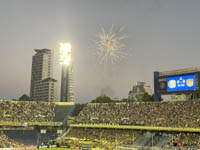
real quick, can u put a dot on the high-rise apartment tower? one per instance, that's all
(43, 85)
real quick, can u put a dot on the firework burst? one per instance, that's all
(110, 46)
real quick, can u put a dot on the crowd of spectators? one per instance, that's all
(105, 136)
(6, 142)
(187, 140)
(166, 114)
(180, 114)
(125, 137)
(25, 111)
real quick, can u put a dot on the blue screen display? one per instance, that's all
(181, 83)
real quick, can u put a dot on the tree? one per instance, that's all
(24, 98)
(145, 97)
(103, 99)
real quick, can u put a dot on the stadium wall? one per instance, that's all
(20, 148)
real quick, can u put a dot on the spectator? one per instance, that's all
(18, 111)
(165, 114)
(6, 142)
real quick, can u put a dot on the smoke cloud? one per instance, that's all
(108, 91)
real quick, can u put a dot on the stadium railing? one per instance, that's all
(27, 124)
(117, 126)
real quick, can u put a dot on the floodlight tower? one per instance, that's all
(67, 84)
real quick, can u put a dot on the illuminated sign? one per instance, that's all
(181, 83)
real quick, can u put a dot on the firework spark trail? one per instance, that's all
(110, 46)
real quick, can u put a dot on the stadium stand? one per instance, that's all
(15, 111)
(27, 137)
(24, 120)
(62, 111)
(32, 111)
(160, 114)
(191, 140)
(111, 136)
(163, 125)
(6, 142)
(133, 138)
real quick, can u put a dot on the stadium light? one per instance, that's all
(65, 53)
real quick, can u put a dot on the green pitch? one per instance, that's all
(55, 149)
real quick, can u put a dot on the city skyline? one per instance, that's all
(161, 35)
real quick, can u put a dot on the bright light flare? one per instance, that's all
(65, 53)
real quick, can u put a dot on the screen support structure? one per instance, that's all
(160, 77)
(156, 94)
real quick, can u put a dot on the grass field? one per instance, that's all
(55, 149)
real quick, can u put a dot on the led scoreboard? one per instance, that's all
(176, 82)
(181, 83)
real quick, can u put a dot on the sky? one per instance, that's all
(161, 35)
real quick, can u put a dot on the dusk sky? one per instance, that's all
(162, 35)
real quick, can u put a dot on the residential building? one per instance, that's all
(43, 86)
(138, 89)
